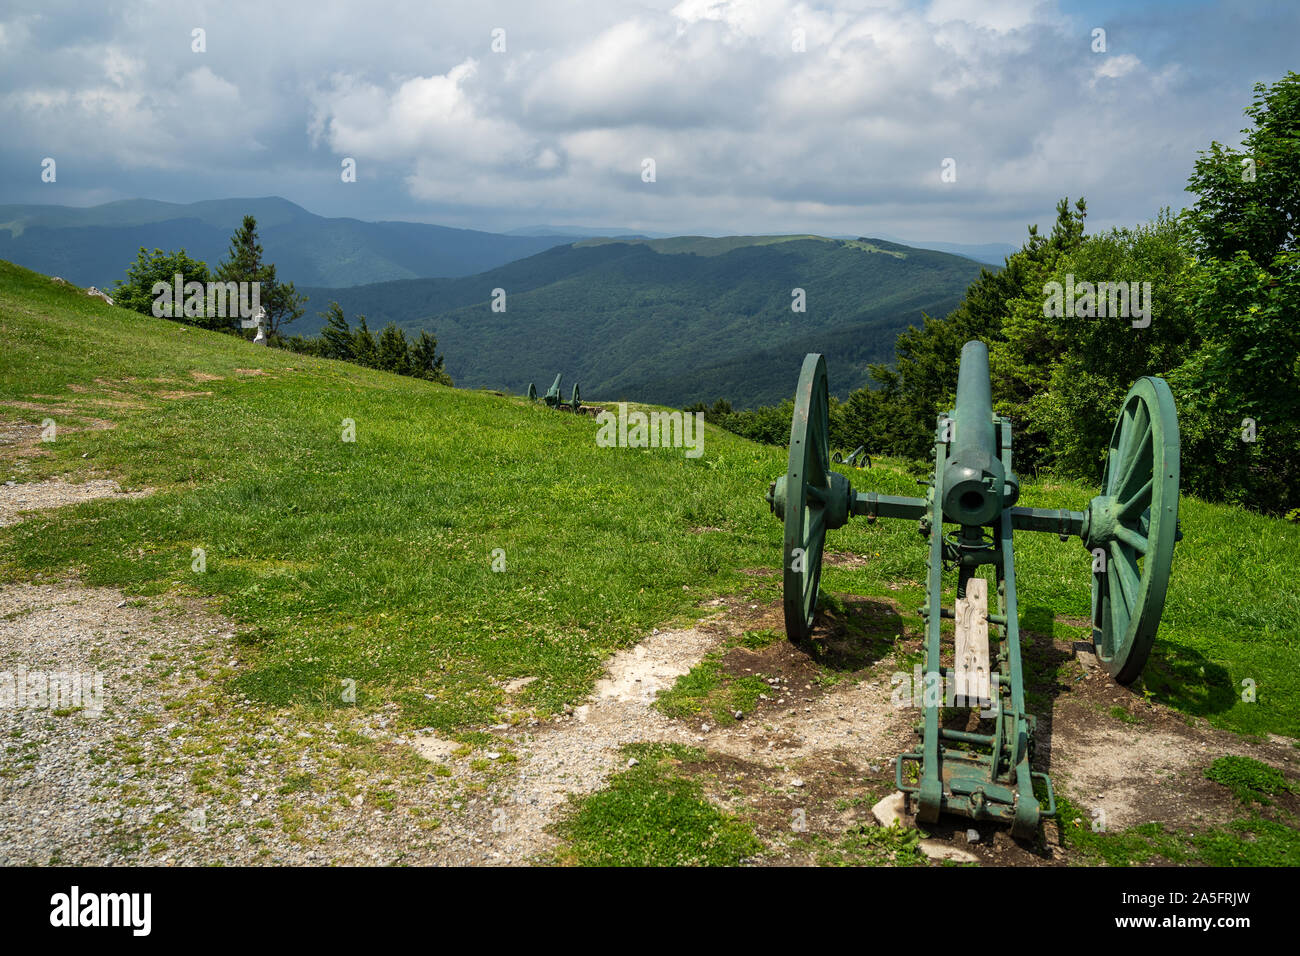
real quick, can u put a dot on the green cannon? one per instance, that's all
(852, 459)
(1130, 529)
(554, 398)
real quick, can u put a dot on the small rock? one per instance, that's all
(972, 836)
(738, 715)
(493, 755)
(632, 762)
(889, 811)
(936, 850)
(796, 782)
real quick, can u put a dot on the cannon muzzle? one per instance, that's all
(973, 480)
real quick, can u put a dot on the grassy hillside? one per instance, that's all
(372, 560)
(675, 320)
(94, 246)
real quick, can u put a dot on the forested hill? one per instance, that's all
(671, 321)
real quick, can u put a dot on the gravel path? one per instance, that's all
(18, 499)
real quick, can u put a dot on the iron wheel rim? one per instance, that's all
(807, 482)
(1141, 474)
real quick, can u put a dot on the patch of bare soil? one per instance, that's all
(180, 394)
(205, 376)
(1134, 761)
(16, 500)
(21, 441)
(844, 559)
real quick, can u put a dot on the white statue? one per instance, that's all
(260, 318)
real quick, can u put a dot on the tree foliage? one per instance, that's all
(243, 263)
(136, 290)
(1223, 330)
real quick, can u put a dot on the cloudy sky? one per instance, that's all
(760, 115)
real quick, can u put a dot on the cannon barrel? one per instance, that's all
(973, 478)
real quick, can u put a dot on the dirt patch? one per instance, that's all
(106, 395)
(639, 673)
(205, 376)
(1135, 761)
(179, 394)
(16, 500)
(249, 371)
(21, 440)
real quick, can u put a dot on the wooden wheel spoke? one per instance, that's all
(1132, 538)
(1129, 581)
(1136, 466)
(1138, 503)
(1119, 616)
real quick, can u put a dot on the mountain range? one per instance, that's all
(94, 245)
(671, 321)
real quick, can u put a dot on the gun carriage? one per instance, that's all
(968, 517)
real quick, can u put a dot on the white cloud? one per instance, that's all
(748, 134)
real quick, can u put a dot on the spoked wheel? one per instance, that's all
(1135, 521)
(807, 489)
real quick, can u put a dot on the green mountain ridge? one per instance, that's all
(671, 321)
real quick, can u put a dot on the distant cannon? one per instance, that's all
(852, 460)
(554, 398)
(1130, 529)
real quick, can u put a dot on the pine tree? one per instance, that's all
(244, 263)
(364, 350)
(336, 336)
(392, 350)
(425, 361)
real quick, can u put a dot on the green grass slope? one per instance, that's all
(673, 321)
(372, 560)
